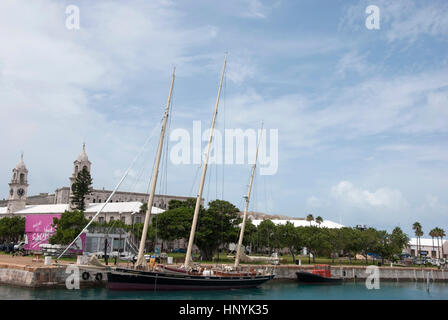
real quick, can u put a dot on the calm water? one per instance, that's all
(273, 290)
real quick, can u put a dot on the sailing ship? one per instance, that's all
(188, 276)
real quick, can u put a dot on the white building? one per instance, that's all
(428, 247)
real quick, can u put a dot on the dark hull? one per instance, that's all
(128, 279)
(309, 277)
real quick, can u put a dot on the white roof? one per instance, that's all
(123, 207)
(427, 242)
(303, 223)
(133, 206)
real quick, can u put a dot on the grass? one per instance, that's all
(284, 260)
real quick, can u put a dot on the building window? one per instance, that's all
(94, 200)
(111, 219)
(138, 219)
(22, 178)
(99, 200)
(101, 219)
(123, 219)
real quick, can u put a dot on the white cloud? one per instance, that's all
(386, 198)
(353, 62)
(314, 202)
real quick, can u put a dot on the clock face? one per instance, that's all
(20, 192)
(11, 192)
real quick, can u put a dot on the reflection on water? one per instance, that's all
(275, 290)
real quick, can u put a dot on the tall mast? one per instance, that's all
(246, 207)
(204, 170)
(141, 260)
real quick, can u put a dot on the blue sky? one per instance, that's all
(362, 114)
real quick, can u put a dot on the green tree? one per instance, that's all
(336, 242)
(417, 227)
(319, 220)
(12, 228)
(218, 225)
(398, 240)
(289, 237)
(189, 203)
(250, 234)
(81, 187)
(441, 234)
(266, 233)
(316, 241)
(68, 227)
(173, 224)
(369, 239)
(309, 218)
(433, 234)
(351, 241)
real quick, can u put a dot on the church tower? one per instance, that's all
(81, 162)
(18, 187)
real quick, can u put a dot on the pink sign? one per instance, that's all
(38, 229)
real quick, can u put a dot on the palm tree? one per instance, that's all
(441, 235)
(433, 233)
(417, 227)
(437, 235)
(319, 220)
(309, 218)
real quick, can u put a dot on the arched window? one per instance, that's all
(22, 178)
(76, 170)
(94, 200)
(84, 168)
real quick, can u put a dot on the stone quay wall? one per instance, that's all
(359, 272)
(49, 276)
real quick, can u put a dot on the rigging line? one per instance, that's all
(139, 176)
(107, 201)
(141, 171)
(163, 183)
(153, 165)
(224, 134)
(194, 180)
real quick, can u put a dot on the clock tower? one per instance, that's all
(18, 187)
(80, 163)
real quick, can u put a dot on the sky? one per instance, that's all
(361, 114)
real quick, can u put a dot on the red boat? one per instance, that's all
(321, 274)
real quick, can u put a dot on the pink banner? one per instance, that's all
(38, 230)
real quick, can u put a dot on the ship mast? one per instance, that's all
(204, 170)
(246, 207)
(141, 260)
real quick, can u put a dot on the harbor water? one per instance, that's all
(274, 290)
